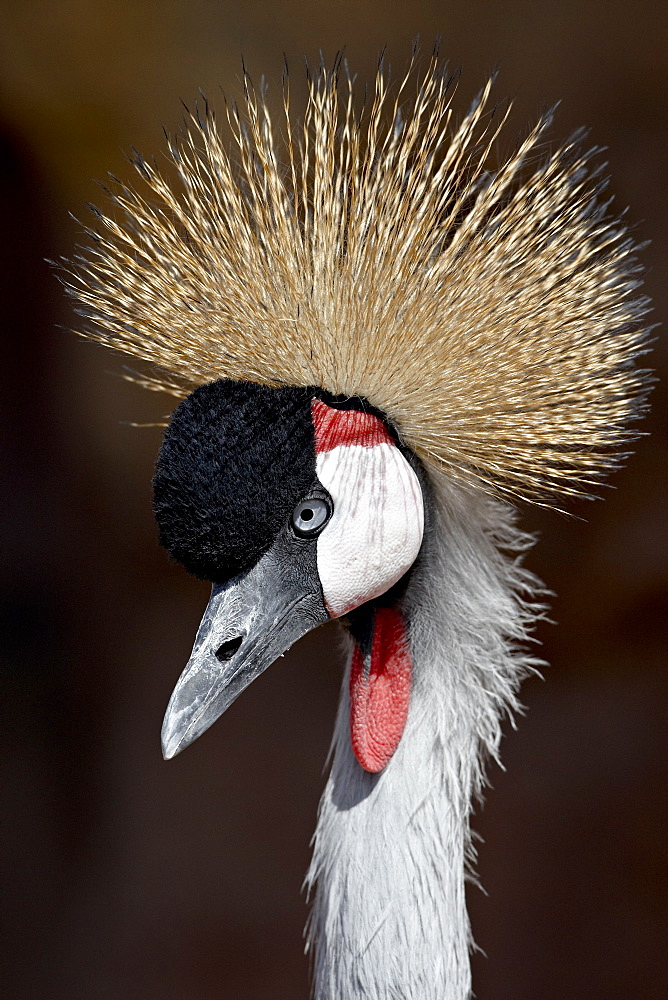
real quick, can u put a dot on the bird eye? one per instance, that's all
(310, 516)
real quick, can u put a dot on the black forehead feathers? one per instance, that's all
(235, 459)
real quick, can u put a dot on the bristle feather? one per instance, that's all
(489, 310)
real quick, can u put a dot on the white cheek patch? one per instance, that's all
(376, 529)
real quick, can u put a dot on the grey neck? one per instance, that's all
(391, 850)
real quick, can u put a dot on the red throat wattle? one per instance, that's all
(380, 686)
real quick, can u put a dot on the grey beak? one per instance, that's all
(249, 622)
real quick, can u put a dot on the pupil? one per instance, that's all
(307, 514)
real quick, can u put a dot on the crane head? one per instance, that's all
(300, 508)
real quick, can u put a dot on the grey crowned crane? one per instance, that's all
(381, 335)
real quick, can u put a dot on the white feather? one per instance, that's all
(376, 529)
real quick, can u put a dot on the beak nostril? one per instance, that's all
(227, 649)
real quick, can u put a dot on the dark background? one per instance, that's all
(128, 877)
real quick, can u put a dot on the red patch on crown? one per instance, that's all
(380, 687)
(334, 427)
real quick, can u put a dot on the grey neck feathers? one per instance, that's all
(392, 851)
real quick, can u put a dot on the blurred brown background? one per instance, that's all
(128, 877)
